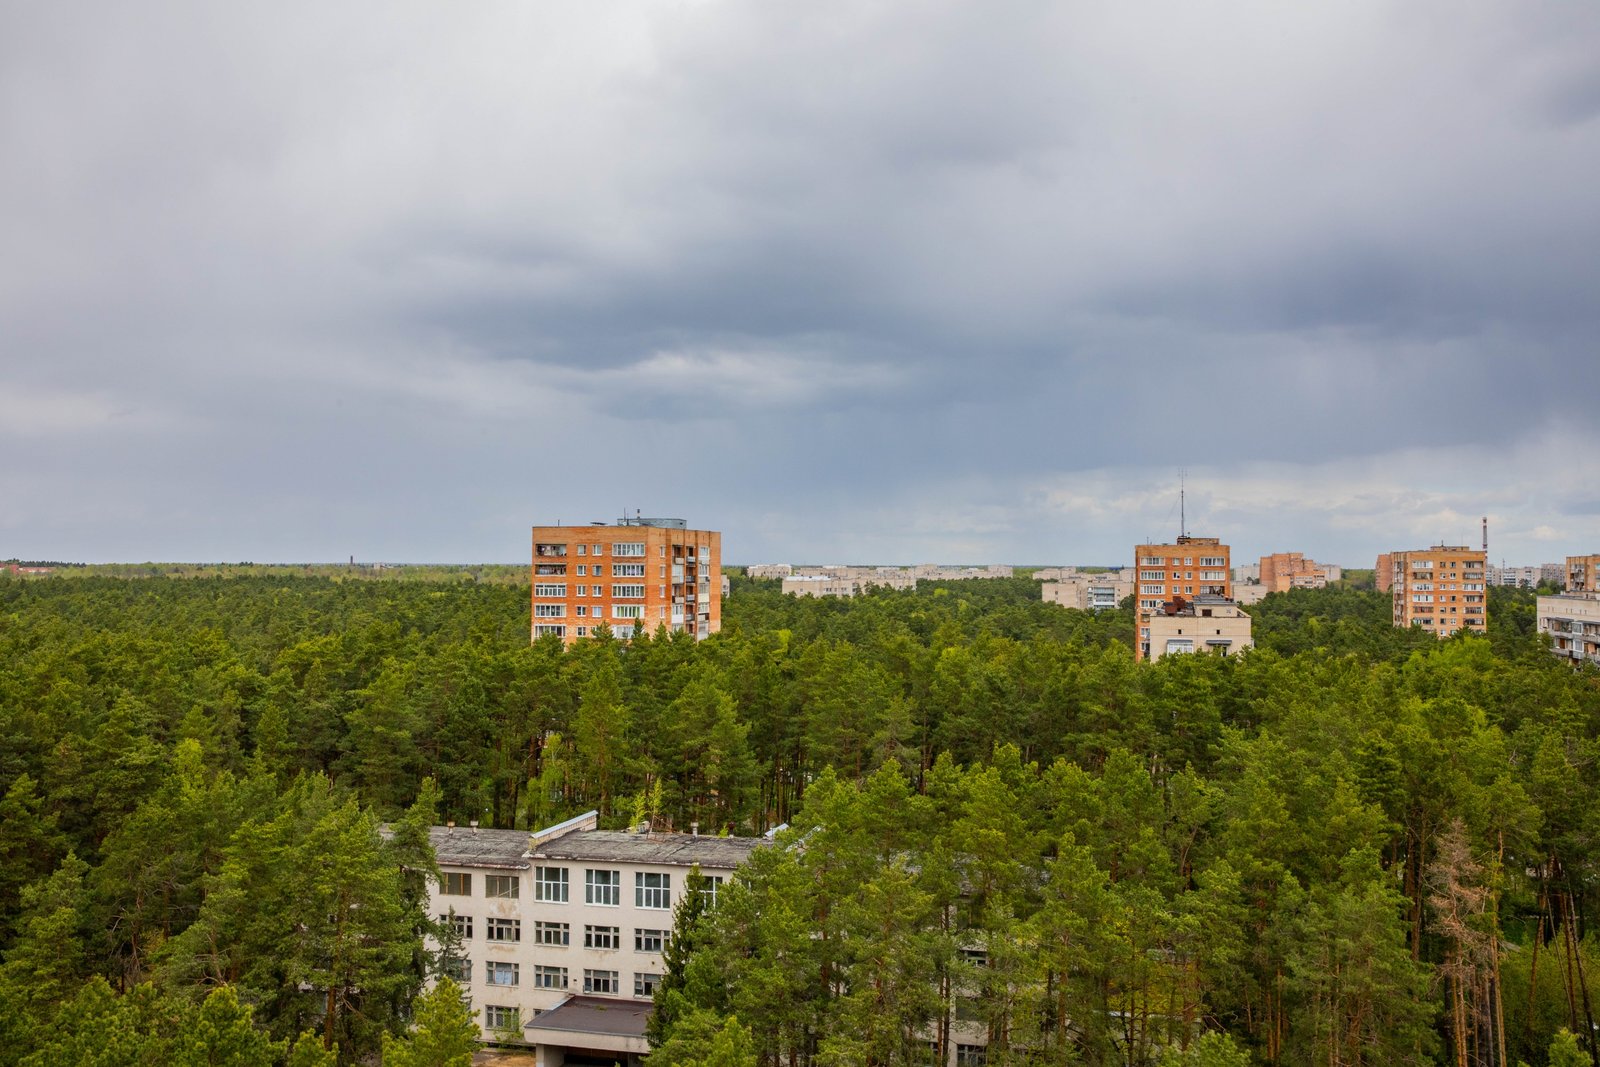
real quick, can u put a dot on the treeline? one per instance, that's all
(159, 738)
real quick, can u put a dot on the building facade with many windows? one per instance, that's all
(559, 934)
(639, 572)
(1573, 622)
(1187, 568)
(1440, 589)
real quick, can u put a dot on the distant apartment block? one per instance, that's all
(769, 570)
(1247, 572)
(641, 571)
(1186, 568)
(1583, 574)
(1440, 589)
(1573, 622)
(1247, 593)
(1283, 571)
(1382, 573)
(846, 586)
(1530, 577)
(1089, 592)
(1207, 623)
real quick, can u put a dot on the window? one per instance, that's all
(550, 589)
(583, 610)
(649, 940)
(1143, 589)
(500, 885)
(1213, 576)
(455, 885)
(550, 884)
(503, 929)
(627, 570)
(553, 550)
(549, 611)
(1149, 561)
(599, 572)
(457, 968)
(547, 630)
(462, 924)
(627, 611)
(500, 972)
(628, 592)
(583, 570)
(583, 631)
(555, 569)
(644, 985)
(602, 937)
(971, 1055)
(713, 884)
(583, 550)
(1213, 561)
(500, 1017)
(600, 981)
(551, 934)
(549, 977)
(602, 887)
(1152, 576)
(975, 956)
(628, 548)
(652, 890)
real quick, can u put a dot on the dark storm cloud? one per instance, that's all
(963, 281)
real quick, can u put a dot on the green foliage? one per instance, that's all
(443, 1034)
(998, 818)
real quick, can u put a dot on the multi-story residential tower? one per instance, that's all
(1583, 574)
(650, 572)
(1440, 589)
(1187, 568)
(559, 934)
(1383, 573)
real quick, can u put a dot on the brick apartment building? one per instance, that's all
(641, 571)
(1186, 568)
(1583, 574)
(1440, 589)
(1283, 571)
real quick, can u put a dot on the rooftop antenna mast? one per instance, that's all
(1183, 515)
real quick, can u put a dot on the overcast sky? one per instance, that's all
(849, 280)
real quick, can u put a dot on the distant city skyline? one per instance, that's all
(403, 280)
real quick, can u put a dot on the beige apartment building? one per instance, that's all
(1089, 592)
(1573, 622)
(1583, 574)
(1440, 589)
(560, 932)
(1207, 623)
(1187, 568)
(640, 572)
(833, 585)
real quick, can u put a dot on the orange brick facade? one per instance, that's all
(1382, 578)
(653, 572)
(1440, 589)
(1283, 571)
(1190, 567)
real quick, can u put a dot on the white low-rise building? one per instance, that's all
(1207, 623)
(561, 931)
(1573, 623)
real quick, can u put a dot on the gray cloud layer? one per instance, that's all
(847, 280)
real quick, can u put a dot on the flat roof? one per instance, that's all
(464, 846)
(678, 850)
(595, 1015)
